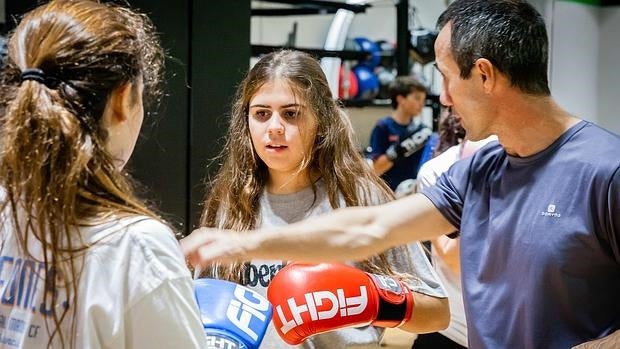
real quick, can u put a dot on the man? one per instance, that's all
(397, 140)
(537, 212)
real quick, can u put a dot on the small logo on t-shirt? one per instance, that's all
(551, 212)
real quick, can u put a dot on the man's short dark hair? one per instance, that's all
(511, 34)
(404, 85)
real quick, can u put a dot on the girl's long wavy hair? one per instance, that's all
(54, 169)
(233, 199)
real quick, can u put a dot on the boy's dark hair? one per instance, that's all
(404, 85)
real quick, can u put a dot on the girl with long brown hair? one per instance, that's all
(290, 154)
(83, 262)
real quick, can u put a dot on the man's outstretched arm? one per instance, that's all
(352, 233)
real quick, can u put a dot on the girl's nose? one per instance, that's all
(275, 125)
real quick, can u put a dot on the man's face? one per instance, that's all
(465, 96)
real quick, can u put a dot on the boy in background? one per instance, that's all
(397, 140)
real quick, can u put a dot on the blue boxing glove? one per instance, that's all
(233, 316)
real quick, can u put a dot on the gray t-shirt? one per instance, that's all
(540, 240)
(277, 210)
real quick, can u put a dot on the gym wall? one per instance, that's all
(585, 51)
(573, 73)
(608, 76)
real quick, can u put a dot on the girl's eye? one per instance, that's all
(261, 115)
(291, 114)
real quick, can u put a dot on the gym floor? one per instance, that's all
(397, 339)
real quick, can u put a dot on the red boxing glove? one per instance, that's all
(315, 298)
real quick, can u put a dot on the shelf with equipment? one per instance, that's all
(307, 7)
(317, 52)
(358, 70)
(432, 101)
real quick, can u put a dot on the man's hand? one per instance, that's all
(206, 244)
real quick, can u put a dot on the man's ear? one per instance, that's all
(117, 107)
(487, 73)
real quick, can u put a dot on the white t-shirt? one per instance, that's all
(427, 176)
(135, 291)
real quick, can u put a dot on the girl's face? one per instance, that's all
(122, 120)
(282, 129)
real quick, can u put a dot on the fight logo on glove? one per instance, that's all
(233, 316)
(331, 304)
(316, 298)
(246, 306)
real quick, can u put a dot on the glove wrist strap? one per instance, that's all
(395, 305)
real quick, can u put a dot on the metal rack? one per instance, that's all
(334, 46)
(308, 7)
(333, 51)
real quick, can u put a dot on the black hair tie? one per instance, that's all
(33, 74)
(39, 76)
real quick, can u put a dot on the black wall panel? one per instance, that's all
(13, 10)
(209, 45)
(160, 160)
(219, 59)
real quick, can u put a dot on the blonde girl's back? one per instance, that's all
(85, 264)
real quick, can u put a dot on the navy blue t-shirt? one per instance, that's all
(387, 132)
(540, 240)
